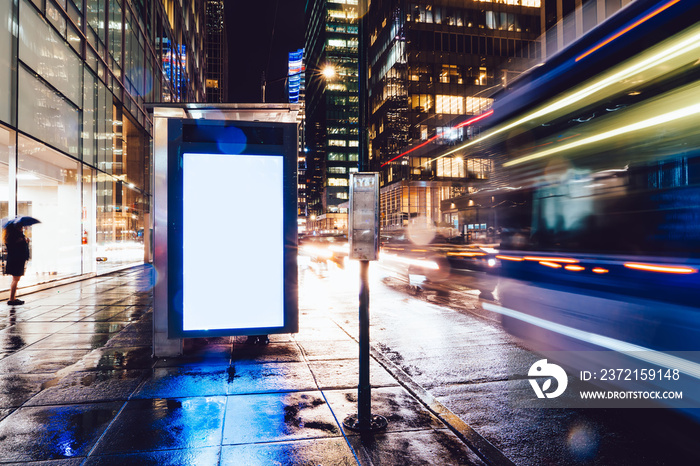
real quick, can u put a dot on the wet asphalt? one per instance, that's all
(78, 385)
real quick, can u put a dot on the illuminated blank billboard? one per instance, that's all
(233, 232)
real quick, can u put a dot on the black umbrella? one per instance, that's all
(20, 221)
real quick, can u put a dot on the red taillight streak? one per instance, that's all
(464, 123)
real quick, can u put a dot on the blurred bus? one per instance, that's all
(597, 190)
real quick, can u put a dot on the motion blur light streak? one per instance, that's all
(660, 268)
(686, 45)
(574, 268)
(461, 125)
(600, 270)
(411, 150)
(510, 258)
(553, 265)
(628, 28)
(661, 119)
(566, 260)
(475, 119)
(432, 265)
(345, 248)
(638, 352)
(321, 252)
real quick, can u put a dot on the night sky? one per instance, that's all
(260, 35)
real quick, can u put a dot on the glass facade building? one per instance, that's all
(75, 135)
(433, 65)
(216, 50)
(332, 130)
(296, 94)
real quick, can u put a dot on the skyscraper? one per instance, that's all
(332, 132)
(216, 50)
(433, 65)
(296, 93)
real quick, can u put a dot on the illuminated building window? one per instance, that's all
(337, 142)
(336, 156)
(450, 74)
(337, 182)
(502, 21)
(450, 167)
(343, 14)
(422, 102)
(336, 87)
(475, 105)
(337, 170)
(449, 133)
(482, 76)
(337, 43)
(450, 104)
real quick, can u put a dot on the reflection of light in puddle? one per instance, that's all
(582, 442)
(67, 450)
(416, 280)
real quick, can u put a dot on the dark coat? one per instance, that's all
(17, 255)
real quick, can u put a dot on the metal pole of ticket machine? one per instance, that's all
(363, 228)
(364, 389)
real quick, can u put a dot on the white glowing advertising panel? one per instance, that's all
(233, 248)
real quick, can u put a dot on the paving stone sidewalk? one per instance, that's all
(78, 385)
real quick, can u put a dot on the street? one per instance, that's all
(439, 338)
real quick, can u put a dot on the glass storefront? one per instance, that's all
(75, 144)
(91, 222)
(48, 189)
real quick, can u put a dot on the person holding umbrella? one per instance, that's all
(17, 247)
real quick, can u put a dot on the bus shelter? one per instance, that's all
(225, 228)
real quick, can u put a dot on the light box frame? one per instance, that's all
(222, 137)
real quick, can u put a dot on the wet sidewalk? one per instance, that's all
(78, 385)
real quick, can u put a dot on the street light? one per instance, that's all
(328, 71)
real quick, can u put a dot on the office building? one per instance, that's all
(433, 66)
(296, 94)
(216, 51)
(332, 132)
(75, 132)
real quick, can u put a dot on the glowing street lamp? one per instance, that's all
(328, 72)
